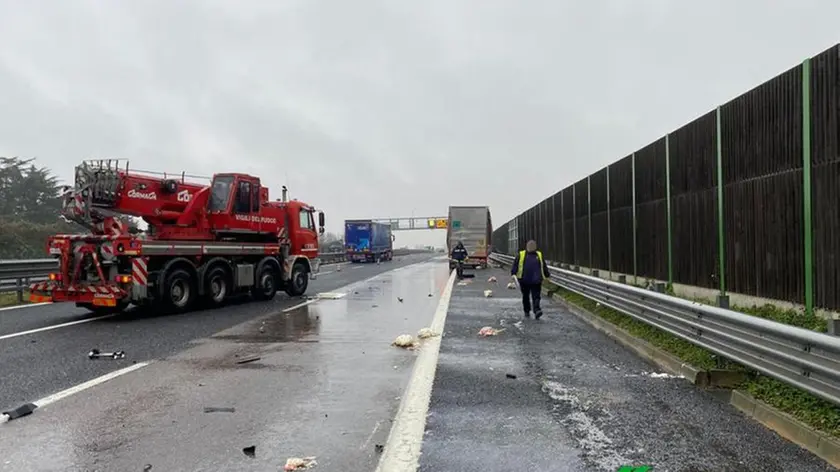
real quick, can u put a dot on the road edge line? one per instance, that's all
(405, 440)
(52, 327)
(24, 305)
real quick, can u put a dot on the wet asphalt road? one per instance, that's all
(579, 401)
(327, 383)
(39, 364)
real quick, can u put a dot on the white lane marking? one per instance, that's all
(370, 437)
(402, 450)
(325, 273)
(86, 385)
(25, 305)
(47, 328)
(300, 305)
(82, 386)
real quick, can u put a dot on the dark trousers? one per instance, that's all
(459, 268)
(530, 292)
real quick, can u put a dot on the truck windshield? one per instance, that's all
(220, 193)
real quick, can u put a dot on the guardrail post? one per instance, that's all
(595, 273)
(19, 289)
(833, 327)
(806, 187)
(622, 279)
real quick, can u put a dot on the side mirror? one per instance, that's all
(321, 220)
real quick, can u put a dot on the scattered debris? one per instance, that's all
(400, 299)
(338, 269)
(511, 286)
(489, 331)
(431, 295)
(95, 354)
(405, 341)
(147, 467)
(250, 451)
(19, 412)
(492, 280)
(426, 333)
(298, 463)
(488, 293)
(374, 306)
(510, 376)
(379, 448)
(249, 360)
(219, 409)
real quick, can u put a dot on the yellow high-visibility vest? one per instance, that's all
(522, 263)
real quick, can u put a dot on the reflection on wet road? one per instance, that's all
(320, 379)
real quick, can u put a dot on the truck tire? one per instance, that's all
(179, 291)
(266, 287)
(217, 286)
(299, 281)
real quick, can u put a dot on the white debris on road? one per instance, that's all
(489, 331)
(404, 341)
(492, 280)
(426, 333)
(511, 286)
(590, 438)
(300, 463)
(488, 293)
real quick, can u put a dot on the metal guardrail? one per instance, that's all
(16, 275)
(799, 357)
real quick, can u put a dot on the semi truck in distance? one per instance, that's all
(368, 241)
(472, 226)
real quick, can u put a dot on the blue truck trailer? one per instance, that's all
(368, 241)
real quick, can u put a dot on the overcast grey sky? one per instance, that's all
(373, 108)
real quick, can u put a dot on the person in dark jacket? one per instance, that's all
(530, 269)
(459, 254)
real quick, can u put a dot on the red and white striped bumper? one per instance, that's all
(99, 295)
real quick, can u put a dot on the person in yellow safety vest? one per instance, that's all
(530, 269)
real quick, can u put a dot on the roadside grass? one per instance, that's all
(11, 299)
(817, 413)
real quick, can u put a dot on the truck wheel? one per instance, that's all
(299, 281)
(216, 286)
(266, 287)
(179, 291)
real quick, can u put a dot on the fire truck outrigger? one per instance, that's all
(203, 243)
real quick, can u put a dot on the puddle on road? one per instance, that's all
(293, 326)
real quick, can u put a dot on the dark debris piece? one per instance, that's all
(219, 409)
(248, 360)
(250, 451)
(510, 376)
